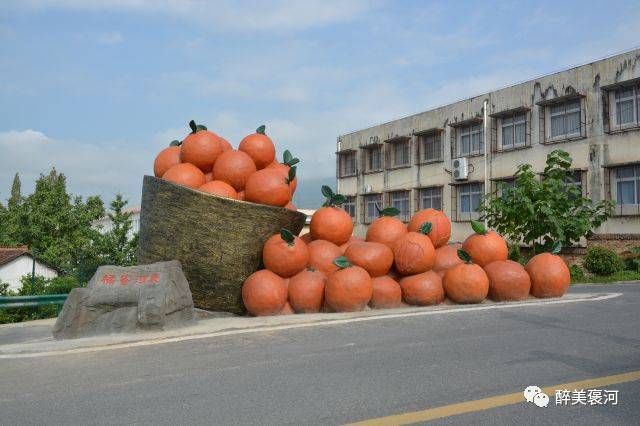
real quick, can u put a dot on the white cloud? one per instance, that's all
(276, 16)
(91, 169)
(109, 38)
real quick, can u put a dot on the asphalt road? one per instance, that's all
(348, 372)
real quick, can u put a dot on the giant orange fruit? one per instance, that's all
(259, 147)
(306, 237)
(321, 256)
(234, 167)
(267, 186)
(222, 189)
(386, 229)
(185, 174)
(284, 167)
(386, 293)
(200, 148)
(285, 254)
(352, 240)
(375, 258)
(485, 246)
(446, 258)
(226, 146)
(507, 281)
(414, 252)
(549, 275)
(466, 283)
(423, 289)
(264, 293)
(306, 291)
(167, 158)
(332, 224)
(349, 289)
(441, 225)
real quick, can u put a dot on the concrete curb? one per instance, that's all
(213, 327)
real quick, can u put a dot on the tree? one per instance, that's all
(11, 214)
(542, 211)
(54, 224)
(117, 246)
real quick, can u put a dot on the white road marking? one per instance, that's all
(327, 322)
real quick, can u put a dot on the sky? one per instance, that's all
(96, 88)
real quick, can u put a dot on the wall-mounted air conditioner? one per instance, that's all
(460, 168)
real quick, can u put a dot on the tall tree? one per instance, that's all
(119, 245)
(56, 225)
(16, 192)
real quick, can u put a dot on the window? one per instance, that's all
(565, 119)
(626, 106)
(504, 185)
(431, 198)
(514, 130)
(574, 178)
(400, 200)
(470, 140)
(430, 147)
(400, 153)
(373, 158)
(350, 206)
(370, 210)
(470, 196)
(628, 185)
(347, 164)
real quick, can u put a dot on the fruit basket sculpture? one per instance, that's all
(218, 240)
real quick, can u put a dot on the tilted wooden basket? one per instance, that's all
(218, 240)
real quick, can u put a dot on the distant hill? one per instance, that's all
(308, 195)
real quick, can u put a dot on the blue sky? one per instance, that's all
(96, 88)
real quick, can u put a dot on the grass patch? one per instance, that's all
(617, 276)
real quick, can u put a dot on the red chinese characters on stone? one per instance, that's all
(108, 279)
(126, 279)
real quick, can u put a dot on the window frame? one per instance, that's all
(468, 130)
(421, 142)
(391, 152)
(501, 131)
(613, 107)
(342, 155)
(365, 203)
(351, 202)
(580, 134)
(421, 197)
(471, 215)
(368, 158)
(391, 202)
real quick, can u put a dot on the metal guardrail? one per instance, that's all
(7, 302)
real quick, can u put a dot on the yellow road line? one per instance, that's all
(494, 402)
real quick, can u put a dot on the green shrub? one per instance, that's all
(602, 261)
(514, 253)
(62, 285)
(577, 273)
(633, 263)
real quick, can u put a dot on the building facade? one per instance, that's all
(17, 262)
(104, 224)
(591, 111)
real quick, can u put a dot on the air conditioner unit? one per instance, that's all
(460, 168)
(366, 189)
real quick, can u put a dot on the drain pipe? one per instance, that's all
(485, 125)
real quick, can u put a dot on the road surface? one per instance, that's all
(348, 372)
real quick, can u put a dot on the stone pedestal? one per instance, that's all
(127, 300)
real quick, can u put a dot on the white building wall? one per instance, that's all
(592, 153)
(21, 266)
